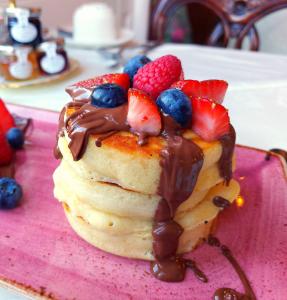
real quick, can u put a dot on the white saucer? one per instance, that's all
(125, 36)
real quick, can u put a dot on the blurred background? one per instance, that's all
(186, 23)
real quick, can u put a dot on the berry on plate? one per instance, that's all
(134, 64)
(210, 120)
(6, 119)
(6, 153)
(212, 89)
(15, 137)
(120, 79)
(159, 75)
(108, 95)
(10, 193)
(176, 104)
(143, 115)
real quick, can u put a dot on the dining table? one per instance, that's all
(256, 96)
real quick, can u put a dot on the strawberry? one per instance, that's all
(143, 115)
(157, 76)
(6, 153)
(212, 89)
(210, 120)
(6, 119)
(122, 80)
(189, 87)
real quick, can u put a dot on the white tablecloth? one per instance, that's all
(257, 95)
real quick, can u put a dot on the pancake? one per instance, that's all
(132, 237)
(122, 161)
(134, 194)
(112, 198)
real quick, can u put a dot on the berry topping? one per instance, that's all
(134, 64)
(122, 80)
(15, 137)
(6, 153)
(6, 119)
(10, 193)
(210, 120)
(157, 76)
(212, 89)
(143, 115)
(176, 104)
(108, 95)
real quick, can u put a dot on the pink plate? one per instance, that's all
(39, 252)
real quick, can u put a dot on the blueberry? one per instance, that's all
(10, 193)
(176, 104)
(15, 137)
(108, 95)
(134, 64)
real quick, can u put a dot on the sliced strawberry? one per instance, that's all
(6, 119)
(212, 89)
(120, 79)
(6, 153)
(189, 87)
(143, 115)
(210, 120)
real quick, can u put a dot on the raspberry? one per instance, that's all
(159, 75)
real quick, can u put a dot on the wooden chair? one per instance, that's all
(216, 22)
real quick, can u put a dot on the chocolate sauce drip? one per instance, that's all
(227, 293)
(225, 162)
(90, 119)
(71, 105)
(181, 162)
(281, 152)
(220, 202)
(173, 269)
(103, 137)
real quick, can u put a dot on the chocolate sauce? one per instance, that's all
(89, 119)
(181, 162)
(281, 152)
(103, 137)
(71, 105)
(220, 202)
(227, 293)
(225, 162)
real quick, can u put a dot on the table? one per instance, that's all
(256, 99)
(257, 95)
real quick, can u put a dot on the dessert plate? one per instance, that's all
(74, 66)
(126, 36)
(41, 255)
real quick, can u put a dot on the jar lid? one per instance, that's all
(34, 11)
(60, 42)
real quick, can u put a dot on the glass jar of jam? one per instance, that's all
(52, 58)
(19, 64)
(24, 26)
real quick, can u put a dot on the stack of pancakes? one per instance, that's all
(110, 194)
